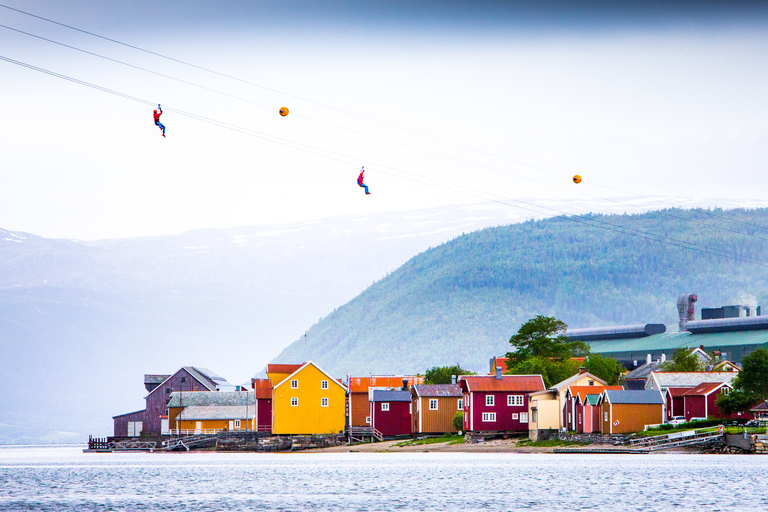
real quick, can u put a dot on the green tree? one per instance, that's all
(552, 371)
(544, 336)
(442, 374)
(458, 421)
(606, 368)
(683, 360)
(750, 386)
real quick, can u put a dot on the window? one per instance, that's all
(237, 423)
(605, 416)
(489, 399)
(534, 415)
(432, 404)
(323, 402)
(591, 383)
(323, 384)
(294, 384)
(294, 401)
(514, 399)
(460, 403)
(514, 415)
(523, 417)
(725, 391)
(385, 406)
(579, 419)
(489, 416)
(368, 420)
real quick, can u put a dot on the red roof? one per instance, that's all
(283, 368)
(582, 391)
(705, 388)
(676, 392)
(361, 384)
(262, 387)
(525, 383)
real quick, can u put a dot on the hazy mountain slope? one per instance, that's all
(461, 301)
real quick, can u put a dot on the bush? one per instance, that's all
(458, 421)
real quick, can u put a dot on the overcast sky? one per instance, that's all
(658, 98)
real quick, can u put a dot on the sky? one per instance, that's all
(443, 102)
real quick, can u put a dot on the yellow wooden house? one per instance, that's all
(306, 401)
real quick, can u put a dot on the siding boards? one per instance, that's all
(441, 420)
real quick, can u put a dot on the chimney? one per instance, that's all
(648, 359)
(498, 372)
(405, 384)
(686, 309)
(582, 370)
(663, 358)
(453, 379)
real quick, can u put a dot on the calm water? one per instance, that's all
(67, 479)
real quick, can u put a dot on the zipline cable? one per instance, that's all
(506, 173)
(231, 77)
(591, 222)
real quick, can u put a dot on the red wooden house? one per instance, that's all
(589, 421)
(675, 402)
(498, 403)
(573, 410)
(699, 402)
(390, 412)
(263, 390)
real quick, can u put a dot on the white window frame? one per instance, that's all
(490, 401)
(605, 416)
(294, 401)
(523, 417)
(489, 417)
(323, 384)
(515, 416)
(324, 402)
(433, 401)
(237, 423)
(384, 406)
(460, 404)
(295, 384)
(515, 400)
(368, 420)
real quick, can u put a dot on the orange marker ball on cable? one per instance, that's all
(284, 111)
(577, 179)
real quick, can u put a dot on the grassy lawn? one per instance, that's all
(433, 440)
(549, 443)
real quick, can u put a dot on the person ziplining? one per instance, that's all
(157, 119)
(360, 181)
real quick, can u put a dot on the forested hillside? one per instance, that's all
(461, 301)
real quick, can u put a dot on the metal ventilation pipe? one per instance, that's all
(686, 309)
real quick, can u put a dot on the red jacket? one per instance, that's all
(157, 115)
(360, 178)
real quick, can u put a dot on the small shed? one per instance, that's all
(434, 407)
(210, 412)
(391, 412)
(626, 411)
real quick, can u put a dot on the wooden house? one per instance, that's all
(307, 401)
(760, 411)
(262, 389)
(360, 389)
(545, 410)
(626, 411)
(589, 422)
(199, 412)
(391, 412)
(674, 401)
(573, 411)
(153, 419)
(434, 406)
(699, 402)
(498, 403)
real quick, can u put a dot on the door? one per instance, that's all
(198, 427)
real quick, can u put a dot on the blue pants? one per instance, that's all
(365, 187)
(161, 125)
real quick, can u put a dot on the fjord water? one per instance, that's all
(57, 479)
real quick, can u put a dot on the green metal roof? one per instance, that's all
(673, 340)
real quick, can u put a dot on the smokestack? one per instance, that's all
(686, 309)
(582, 370)
(498, 372)
(405, 384)
(453, 379)
(663, 358)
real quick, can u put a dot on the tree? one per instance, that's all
(458, 421)
(543, 336)
(442, 374)
(683, 360)
(606, 368)
(552, 371)
(750, 386)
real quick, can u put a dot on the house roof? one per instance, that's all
(634, 384)
(690, 379)
(283, 368)
(705, 388)
(199, 374)
(592, 399)
(560, 386)
(633, 397)
(217, 412)
(362, 384)
(763, 407)
(308, 363)
(391, 395)
(207, 398)
(642, 372)
(582, 391)
(437, 390)
(262, 387)
(676, 392)
(489, 383)
(153, 378)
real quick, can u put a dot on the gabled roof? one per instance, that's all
(489, 383)
(196, 374)
(206, 398)
(283, 368)
(217, 412)
(763, 407)
(690, 379)
(560, 386)
(582, 391)
(642, 372)
(391, 395)
(632, 397)
(706, 388)
(301, 368)
(152, 378)
(437, 390)
(592, 399)
(676, 392)
(362, 384)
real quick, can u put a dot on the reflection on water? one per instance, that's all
(66, 479)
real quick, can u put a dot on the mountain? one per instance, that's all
(461, 301)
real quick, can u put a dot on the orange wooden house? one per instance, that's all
(360, 389)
